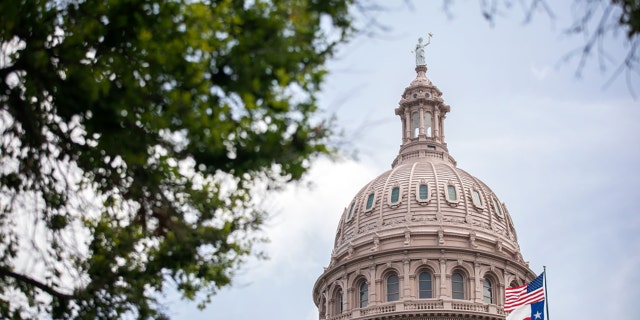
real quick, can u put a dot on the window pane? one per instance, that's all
(427, 124)
(486, 291)
(424, 286)
(416, 125)
(476, 198)
(339, 302)
(393, 288)
(351, 211)
(452, 193)
(364, 295)
(497, 207)
(424, 192)
(395, 194)
(370, 201)
(457, 286)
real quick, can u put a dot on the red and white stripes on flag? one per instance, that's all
(518, 296)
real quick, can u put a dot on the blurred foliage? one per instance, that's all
(598, 22)
(134, 135)
(630, 16)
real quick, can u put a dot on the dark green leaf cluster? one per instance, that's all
(135, 133)
(630, 16)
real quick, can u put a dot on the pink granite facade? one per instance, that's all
(424, 240)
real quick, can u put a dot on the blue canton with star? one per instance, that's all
(537, 310)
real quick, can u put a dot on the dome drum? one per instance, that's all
(407, 264)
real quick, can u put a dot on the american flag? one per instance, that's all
(526, 294)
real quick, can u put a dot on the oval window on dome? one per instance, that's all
(422, 193)
(370, 199)
(496, 206)
(476, 199)
(395, 195)
(426, 95)
(452, 195)
(350, 215)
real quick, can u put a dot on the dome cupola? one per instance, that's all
(425, 239)
(422, 112)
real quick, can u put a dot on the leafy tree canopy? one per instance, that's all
(133, 135)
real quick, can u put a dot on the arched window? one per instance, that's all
(425, 290)
(322, 307)
(487, 291)
(364, 294)
(457, 285)
(427, 124)
(416, 125)
(395, 195)
(393, 287)
(338, 299)
(370, 199)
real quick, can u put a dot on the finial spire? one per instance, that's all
(420, 59)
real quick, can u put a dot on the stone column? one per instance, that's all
(348, 299)
(435, 122)
(379, 291)
(404, 128)
(407, 121)
(412, 287)
(478, 284)
(373, 285)
(407, 282)
(443, 279)
(442, 127)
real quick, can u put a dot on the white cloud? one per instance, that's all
(306, 217)
(540, 72)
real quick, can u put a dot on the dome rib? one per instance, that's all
(437, 188)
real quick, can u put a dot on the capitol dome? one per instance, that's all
(426, 239)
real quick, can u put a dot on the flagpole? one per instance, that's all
(546, 299)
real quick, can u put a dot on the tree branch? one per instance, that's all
(4, 272)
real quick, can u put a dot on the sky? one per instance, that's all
(560, 151)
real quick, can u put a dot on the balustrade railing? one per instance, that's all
(378, 309)
(421, 305)
(466, 306)
(427, 305)
(342, 316)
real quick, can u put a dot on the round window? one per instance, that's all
(426, 95)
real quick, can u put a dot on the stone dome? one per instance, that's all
(426, 195)
(424, 240)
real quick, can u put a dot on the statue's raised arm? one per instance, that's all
(420, 59)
